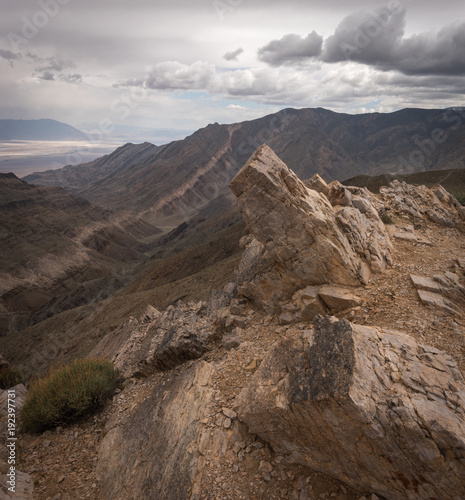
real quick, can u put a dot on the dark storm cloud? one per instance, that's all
(366, 37)
(232, 56)
(441, 53)
(47, 76)
(291, 49)
(376, 38)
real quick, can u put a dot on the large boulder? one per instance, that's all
(297, 238)
(371, 408)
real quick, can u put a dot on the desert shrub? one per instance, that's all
(459, 195)
(9, 378)
(68, 394)
(385, 217)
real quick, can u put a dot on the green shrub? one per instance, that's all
(385, 217)
(459, 195)
(9, 378)
(68, 394)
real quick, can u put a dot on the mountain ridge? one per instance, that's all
(182, 176)
(44, 129)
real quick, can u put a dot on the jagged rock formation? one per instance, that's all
(372, 408)
(181, 176)
(162, 341)
(298, 237)
(420, 202)
(369, 406)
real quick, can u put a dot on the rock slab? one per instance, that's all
(372, 408)
(152, 454)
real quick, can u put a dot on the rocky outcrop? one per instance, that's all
(372, 408)
(23, 484)
(444, 291)
(161, 341)
(152, 453)
(433, 204)
(298, 238)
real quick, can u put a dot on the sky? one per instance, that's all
(182, 64)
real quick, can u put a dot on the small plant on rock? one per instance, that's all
(385, 217)
(459, 195)
(68, 394)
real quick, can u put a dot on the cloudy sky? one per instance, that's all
(186, 63)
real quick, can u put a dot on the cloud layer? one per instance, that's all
(291, 49)
(173, 62)
(376, 38)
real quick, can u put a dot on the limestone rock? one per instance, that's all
(408, 233)
(152, 454)
(424, 283)
(436, 291)
(436, 300)
(297, 238)
(372, 408)
(338, 194)
(337, 298)
(160, 341)
(420, 202)
(316, 183)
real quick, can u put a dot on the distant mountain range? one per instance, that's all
(38, 130)
(179, 178)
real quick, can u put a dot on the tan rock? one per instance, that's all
(297, 238)
(373, 409)
(437, 300)
(337, 298)
(154, 453)
(316, 183)
(424, 283)
(420, 202)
